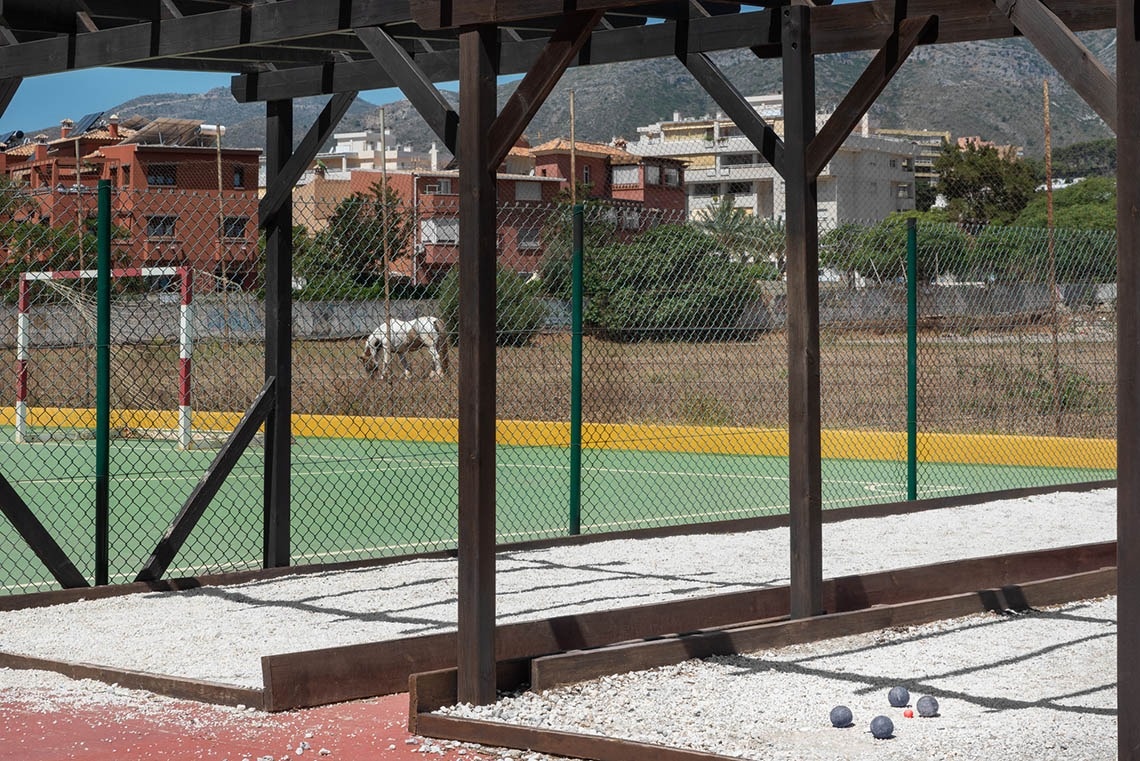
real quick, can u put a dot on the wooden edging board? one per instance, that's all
(62, 596)
(331, 675)
(430, 691)
(170, 686)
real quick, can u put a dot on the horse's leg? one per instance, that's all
(403, 356)
(437, 366)
(387, 360)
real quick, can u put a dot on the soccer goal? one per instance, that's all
(71, 323)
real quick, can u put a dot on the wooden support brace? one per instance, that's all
(30, 529)
(281, 189)
(871, 83)
(564, 45)
(1068, 55)
(431, 105)
(199, 499)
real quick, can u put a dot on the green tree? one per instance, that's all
(362, 227)
(880, 251)
(669, 283)
(598, 227)
(1086, 205)
(981, 185)
(519, 311)
(735, 232)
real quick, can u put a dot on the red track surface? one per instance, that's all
(152, 728)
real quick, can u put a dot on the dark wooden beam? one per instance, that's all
(278, 225)
(863, 94)
(38, 538)
(835, 29)
(279, 193)
(717, 85)
(431, 105)
(531, 93)
(1068, 55)
(1128, 377)
(478, 58)
(805, 489)
(195, 505)
(198, 33)
(445, 14)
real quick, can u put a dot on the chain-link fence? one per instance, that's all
(682, 358)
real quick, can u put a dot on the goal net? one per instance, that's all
(151, 347)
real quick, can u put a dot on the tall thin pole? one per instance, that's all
(576, 375)
(911, 359)
(103, 389)
(573, 156)
(1054, 302)
(384, 235)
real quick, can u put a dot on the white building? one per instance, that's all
(867, 179)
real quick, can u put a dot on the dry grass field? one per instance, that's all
(1014, 382)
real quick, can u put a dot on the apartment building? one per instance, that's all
(179, 197)
(867, 179)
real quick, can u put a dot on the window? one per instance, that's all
(625, 175)
(652, 175)
(161, 174)
(528, 191)
(530, 238)
(894, 164)
(630, 219)
(234, 227)
(737, 159)
(239, 176)
(740, 187)
(438, 186)
(706, 189)
(586, 173)
(160, 227)
(440, 230)
(672, 176)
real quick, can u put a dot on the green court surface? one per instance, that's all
(355, 498)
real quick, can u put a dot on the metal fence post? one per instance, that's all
(103, 387)
(911, 360)
(576, 375)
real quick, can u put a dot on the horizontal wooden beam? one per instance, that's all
(567, 668)
(170, 686)
(446, 14)
(248, 25)
(834, 29)
(316, 677)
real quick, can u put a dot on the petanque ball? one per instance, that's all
(927, 706)
(898, 696)
(882, 727)
(841, 716)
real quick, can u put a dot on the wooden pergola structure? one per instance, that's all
(280, 50)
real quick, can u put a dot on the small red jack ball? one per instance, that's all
(908, 713)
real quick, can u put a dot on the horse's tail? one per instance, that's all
(444, 343)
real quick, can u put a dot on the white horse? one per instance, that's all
(406, 336)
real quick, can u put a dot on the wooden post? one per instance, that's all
(1128, 378)
(478, 53)
(278, 224)
(804, 481)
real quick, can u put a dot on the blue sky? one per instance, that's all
(42, 102)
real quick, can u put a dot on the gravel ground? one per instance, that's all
(1039, 686)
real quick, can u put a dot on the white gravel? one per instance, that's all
(1036, 686)
(219, 634)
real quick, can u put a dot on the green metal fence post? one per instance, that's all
(576, 375)
(911, 360)
(103, 387)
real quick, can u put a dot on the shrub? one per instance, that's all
(520, 313)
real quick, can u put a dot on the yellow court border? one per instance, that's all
(952, 448)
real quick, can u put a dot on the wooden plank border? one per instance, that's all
(431, 691)
(330, 675)
(170, 686)
(566, 668)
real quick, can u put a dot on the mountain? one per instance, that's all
(991, 88)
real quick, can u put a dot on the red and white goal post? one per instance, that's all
(58, 279)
